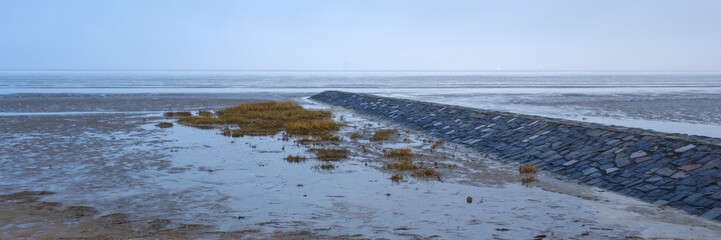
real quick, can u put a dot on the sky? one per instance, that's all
(638, 35)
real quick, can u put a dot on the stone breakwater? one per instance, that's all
(677, 170)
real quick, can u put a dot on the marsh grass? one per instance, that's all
(382, 134)
(528, 179)
(311, 126)
(327, 137)
(399, 153)
(164, 125)
(327, 154)
(295, 158)
(266, 118)
(424, 172)
(530, 168)
(355, 135)
(437, 144)
(204, 113)
(200, 120)
(326, 166)
(396, 177)
(404, 165)
(319, 139)
(177, 114)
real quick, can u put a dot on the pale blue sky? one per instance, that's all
(361, 35)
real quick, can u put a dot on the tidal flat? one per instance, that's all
(99, 166)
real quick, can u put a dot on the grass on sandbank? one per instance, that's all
(326, 166)
(404, 165)
(382, 134)
(437, 144)
(295, 158)
(355, 135)
(164, 125)
(204, 113)
(396, 177)
(530, 168)
(424, 172)
(399, 153)
(327, 154)
(528, 179)
(419, 171)
(266, 118)
(177, 114)
(319, 139)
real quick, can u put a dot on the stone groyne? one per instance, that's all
(668, 169)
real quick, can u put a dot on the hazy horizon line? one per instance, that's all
(330, 70)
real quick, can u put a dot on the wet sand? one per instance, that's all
(115, 174)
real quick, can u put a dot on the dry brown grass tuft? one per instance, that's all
(295, 158)
(326, 154)
(404, 165)
(319, 139)
(399, 153)
(382, 134)
(200, 120)
(177, 114)
(437, 144)
(425, 172)
(258, 128)
(164, 125)
(528, 179)
(326, 166)
(396, 177)
(204, 113)
(530, 168)
(311, 126)
(355, 135)
(327, 137)
(266, 118)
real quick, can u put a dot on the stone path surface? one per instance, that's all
(677, 170)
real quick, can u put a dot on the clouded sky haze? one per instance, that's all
(361, 35)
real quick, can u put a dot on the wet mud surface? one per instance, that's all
(117, 174)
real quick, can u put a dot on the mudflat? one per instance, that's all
(98, 166)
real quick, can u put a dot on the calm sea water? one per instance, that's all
(15, 81)
(681, 102)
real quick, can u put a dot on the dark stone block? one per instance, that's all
(694, 210)
(708, 190)
(698, 200)
(685, 189)
(656, 193)
(653, 179)
(704, 181)
(678, 197)
(646, 187)
(689, 181)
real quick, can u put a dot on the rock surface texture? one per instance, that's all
(681, 171)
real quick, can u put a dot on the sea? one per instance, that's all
(676, 102)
